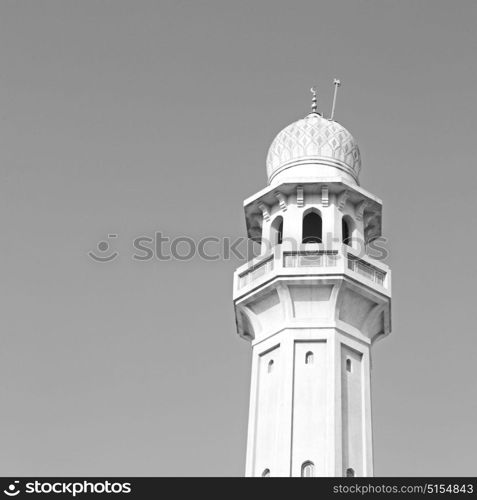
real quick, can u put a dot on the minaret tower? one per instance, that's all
(311, 305)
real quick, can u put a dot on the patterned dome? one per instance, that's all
(314, 140)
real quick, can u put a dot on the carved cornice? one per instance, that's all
(325, 201)
(370, 218)
(300, 196)
(265, 210)
(342, 198)
(370, 234)
(256, 220)
(360, 208)
(282, 200)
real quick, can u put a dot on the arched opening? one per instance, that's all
(308, 469)
(350, 472)
(347, 230)
(266, 473)
(312, 227)
(348, 365)
(276, 235)
(309, 358)
(270, 366)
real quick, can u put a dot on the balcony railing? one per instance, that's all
(310, 258)
(335, 261)
(367, 270)
(255, 271)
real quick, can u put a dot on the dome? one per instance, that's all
(313, 147)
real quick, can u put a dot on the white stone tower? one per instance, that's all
(312, 304)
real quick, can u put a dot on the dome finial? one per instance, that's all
(313, 100)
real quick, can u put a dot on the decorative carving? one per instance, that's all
(371, 226)
(256, 220)
(265, 210)
(324, 196)
(342, 197)
(255, 233)
(360, 208)
(369, 218)
(314, 137)
(282, 200)
(300, 196)
(371, 232)
(255, 227)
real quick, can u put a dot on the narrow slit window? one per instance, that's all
(348, 365)
(309, 358)
(270, 366)
(280, 233)
(346, 233)
(276, 233)
(308, 469)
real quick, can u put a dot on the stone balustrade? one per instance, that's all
(340, 259)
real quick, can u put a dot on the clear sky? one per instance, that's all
(131, 117)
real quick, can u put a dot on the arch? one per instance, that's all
(347, 230)
(348, 365)
(270, 366)
(308, 469)
(312, 228)
(350, 472)
(309, 358)
(266, 473)
(276, 231)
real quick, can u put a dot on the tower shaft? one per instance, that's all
(313, 408)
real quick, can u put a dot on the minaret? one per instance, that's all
(311, 305)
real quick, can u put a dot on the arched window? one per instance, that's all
(308, 469)
(345, 231)
(276, 232)
(270, 366)
(312, 228)
(347, 226)
(348, 364)
(350, 472)
(309, 358)
(266, 473)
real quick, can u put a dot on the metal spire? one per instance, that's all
(337, 84)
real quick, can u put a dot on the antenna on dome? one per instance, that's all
(337, 84)
(313, 100)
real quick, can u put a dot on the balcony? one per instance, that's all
(255, 271)
(312, 261)
(370, 272)
(310, 258)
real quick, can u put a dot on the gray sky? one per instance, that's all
(134, 117)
